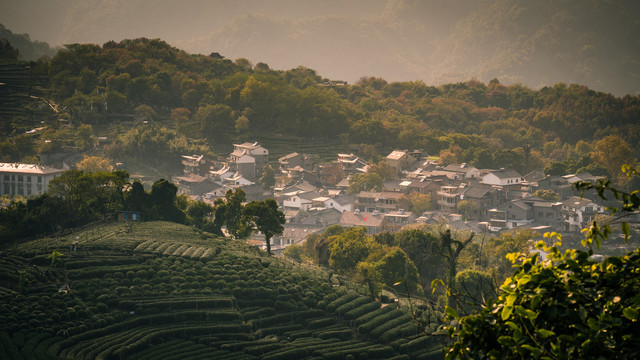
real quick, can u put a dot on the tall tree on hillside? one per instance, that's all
(267, 218)
(229, 212)
(612, 152)
(8, 52)
(163, 200)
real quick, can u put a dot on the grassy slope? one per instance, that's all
(160, 290)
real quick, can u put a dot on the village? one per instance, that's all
(314, 195)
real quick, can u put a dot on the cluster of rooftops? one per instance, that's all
(314, 195)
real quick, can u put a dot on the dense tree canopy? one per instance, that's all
(185, 97)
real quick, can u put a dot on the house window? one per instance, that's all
(20, 178)
(540, 213)
(6, 178)
(513, 216)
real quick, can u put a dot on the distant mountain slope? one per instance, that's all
(538, 43)
(29, 50)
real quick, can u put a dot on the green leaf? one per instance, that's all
(506, 312)
(511, 325)
(434, 284)
(533, 350)
(625, 230)
(451, 313)
(531, 315)
(535, 301)
(630, 313)
(523, 280)
(511, 298)
(506, 341)
(544, 333)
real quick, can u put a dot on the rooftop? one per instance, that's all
(28, 169)
(396, 154)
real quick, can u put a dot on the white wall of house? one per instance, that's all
(332, 204)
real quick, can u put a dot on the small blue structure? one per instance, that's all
(129, 215)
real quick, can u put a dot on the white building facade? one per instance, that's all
(26, 179)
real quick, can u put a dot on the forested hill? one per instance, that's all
(195, 102)
(537, 43)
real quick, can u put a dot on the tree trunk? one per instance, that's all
(268, 245)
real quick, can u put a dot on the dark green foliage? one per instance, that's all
(163, 202)
(344, 308)
(74, 199)
(380, 320)
(333, 305)
(362, 310)
(126, 306)
(267, 218)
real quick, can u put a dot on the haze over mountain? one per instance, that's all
(591, 42)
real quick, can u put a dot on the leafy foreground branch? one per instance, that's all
(562, 306)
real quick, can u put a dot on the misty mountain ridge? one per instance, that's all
(535, 43)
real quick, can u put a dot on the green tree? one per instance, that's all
(91, 164)
(396, 270)
(268, 178)
(424, 250)
(215, 121)
(348, 249)
(611, 152)
(365, 182)
(383, 169)
(201, 214)
(8, 52)
(86, 137)
(547, 195)
(137, 199)
(467, 208)
(496, 249)
(294, 252)
(230, 213)
(451, 248)
(267, 218)
(416, 203)
(163, 202)
(473, 288)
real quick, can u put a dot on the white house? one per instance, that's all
(26, 179)
(341, 203)
(300, 199)
(502, 177)
(579, 212)
(236, 179)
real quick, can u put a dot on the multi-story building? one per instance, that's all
(248, 159)
(382, 202)
(26, 179)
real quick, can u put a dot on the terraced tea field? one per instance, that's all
(164, 291)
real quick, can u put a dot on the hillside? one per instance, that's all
(29, 49)
(165, 291)
(535, 43)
